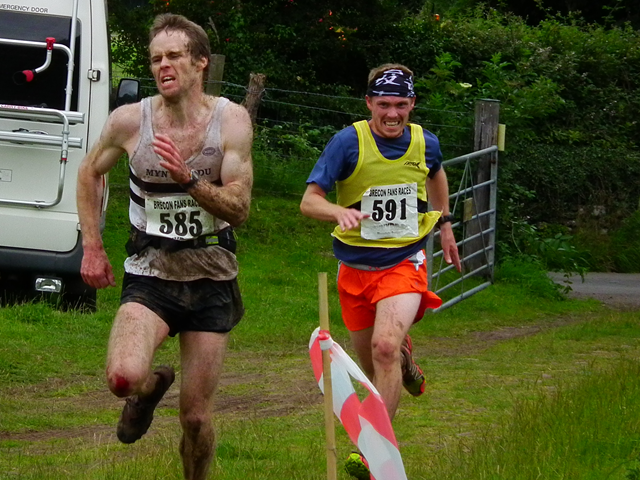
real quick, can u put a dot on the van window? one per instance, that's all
(47, 89)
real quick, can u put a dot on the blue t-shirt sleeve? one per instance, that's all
(337, 161)
(433, 155)
(340, 156)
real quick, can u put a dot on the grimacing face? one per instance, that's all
(389, 115)
(174, 69)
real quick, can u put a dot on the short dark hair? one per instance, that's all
(197, 39)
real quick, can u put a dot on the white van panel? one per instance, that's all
(44, 239)
(32, 172)
(24, 228)
(44, 7)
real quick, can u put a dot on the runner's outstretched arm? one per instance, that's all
(121, 125)
(315, 205)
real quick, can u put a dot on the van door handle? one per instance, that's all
(93, 75)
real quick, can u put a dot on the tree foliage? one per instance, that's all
(562, 81)
(603, 12)
(293, 42)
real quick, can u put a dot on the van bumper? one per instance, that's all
(19, 260)
(27, 275)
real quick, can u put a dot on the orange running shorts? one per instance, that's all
(360, 290)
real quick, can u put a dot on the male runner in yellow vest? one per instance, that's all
(383, 170)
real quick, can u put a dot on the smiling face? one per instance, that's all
(174, 69)
(389, 115)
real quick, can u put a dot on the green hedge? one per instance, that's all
(567, 182)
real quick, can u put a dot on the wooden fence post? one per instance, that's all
(254, 95)
(486, 135)
(215, 74)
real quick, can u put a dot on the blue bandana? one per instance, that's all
(393, 83)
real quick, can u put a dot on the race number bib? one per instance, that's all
(393, 211)
(177, 217)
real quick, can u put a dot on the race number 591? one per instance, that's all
(392, 210)
(389, 210)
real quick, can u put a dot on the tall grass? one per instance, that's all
(584, 428)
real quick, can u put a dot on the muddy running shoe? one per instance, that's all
(357, 466)
(137, 413)
(412, 377)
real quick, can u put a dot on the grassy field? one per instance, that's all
(520, 385)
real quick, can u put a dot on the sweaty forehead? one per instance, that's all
(168, 40)
(387, 99)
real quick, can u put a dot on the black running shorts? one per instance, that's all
(198, 306)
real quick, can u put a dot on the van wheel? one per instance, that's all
(78, 296)
(13, 296)
(14, 289)
(85, 302)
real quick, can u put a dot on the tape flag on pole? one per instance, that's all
(367, 423)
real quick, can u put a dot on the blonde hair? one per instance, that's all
(378, 71)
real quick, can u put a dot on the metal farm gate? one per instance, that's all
(473, 206)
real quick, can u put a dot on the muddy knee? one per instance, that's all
(194, 424)
(385, 352)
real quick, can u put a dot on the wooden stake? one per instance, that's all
(326, 380)
(254, 95)
(215, 74)
(486, 135)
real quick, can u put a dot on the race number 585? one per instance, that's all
(177, 217)
(181, 224)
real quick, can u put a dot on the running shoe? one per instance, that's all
(357, 466)
(137, 413)
(412, 377)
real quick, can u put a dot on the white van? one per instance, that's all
(54, 100)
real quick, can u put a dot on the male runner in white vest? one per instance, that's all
(190, 183)
(383, 170)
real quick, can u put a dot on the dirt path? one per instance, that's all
(620, 290)
(270, 393)
(276, 394)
